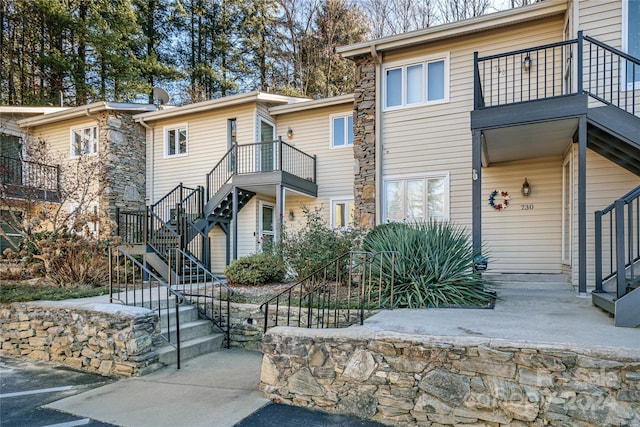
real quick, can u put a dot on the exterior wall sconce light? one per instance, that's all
(526, 63)
(289, 133)
(526, 188)
(292, 216)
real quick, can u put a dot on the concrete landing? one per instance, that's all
(534, 316)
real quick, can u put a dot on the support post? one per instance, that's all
(279, 213)
(235, 222)
(476, 191)
(582, 205)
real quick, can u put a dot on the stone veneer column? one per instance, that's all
(123, 143)
(364, 141)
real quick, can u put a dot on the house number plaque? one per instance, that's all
(527, 207)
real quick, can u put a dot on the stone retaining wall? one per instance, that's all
(110, 339)
(410, 380)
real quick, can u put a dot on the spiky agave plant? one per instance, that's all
(433, 267)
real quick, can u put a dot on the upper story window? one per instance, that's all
(341, 130)
(175, 141)
(84, 142)
(420, 83)
(419, 198)
(631, 39)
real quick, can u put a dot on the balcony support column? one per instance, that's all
(582, 205)
(476, 191)
(279, 213)
(234, 210)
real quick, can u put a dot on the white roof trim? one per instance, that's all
(309, 105)
(455, 29)
(71, 113)
(254, 96)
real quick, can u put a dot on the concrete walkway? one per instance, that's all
(219, 389)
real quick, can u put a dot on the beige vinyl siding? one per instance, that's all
(437, 138)
(334, 167)
(606, 182)
(520, 238)
(218, 250)
(602, 20)
(58, 137)
(207, 143)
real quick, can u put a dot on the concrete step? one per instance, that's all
(532, 281)
(191, 330)
(190, 349)
(188, 313)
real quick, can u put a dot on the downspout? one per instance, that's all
(151, 160)
(379, 158)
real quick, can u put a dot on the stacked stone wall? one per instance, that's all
(407, 380)
(106, 338)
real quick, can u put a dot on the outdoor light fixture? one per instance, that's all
(526, 63)
(289, 133)
(526, 188)
(292, 216)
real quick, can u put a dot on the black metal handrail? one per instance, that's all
(161, 236)
(617, 242)
(26, 173)
(131, 283)
(221, 173)
(547, 71)
(165, 207)
(336, 295)
(131, 226)
(523, 75)
(203, 289)
(611, 76)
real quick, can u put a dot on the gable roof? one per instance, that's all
(84, 110)
(540, 10)
(212, 104)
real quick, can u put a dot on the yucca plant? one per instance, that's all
(433, 266)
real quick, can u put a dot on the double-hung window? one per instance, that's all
(341, 130)
(175, 141)
(631, 41)
(420, 198)
(342, 211)
(84, 142)
(420, 83)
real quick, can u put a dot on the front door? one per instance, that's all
(267, 225)
(267, 150)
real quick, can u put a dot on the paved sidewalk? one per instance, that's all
(218, 389)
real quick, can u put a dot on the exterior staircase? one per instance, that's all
(197, 336)
(617, 259)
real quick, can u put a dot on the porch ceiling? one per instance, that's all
(527, 141)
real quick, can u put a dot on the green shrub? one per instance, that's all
(316, 244)
(433, 267)
(256, 269)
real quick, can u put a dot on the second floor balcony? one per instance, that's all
(29, 180)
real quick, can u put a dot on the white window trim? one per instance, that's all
(407, 177)
(165, 140)
(625, 46)
(97, 141)
(332, 202)
(425, 60)
(93, 206)
(346, 136)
